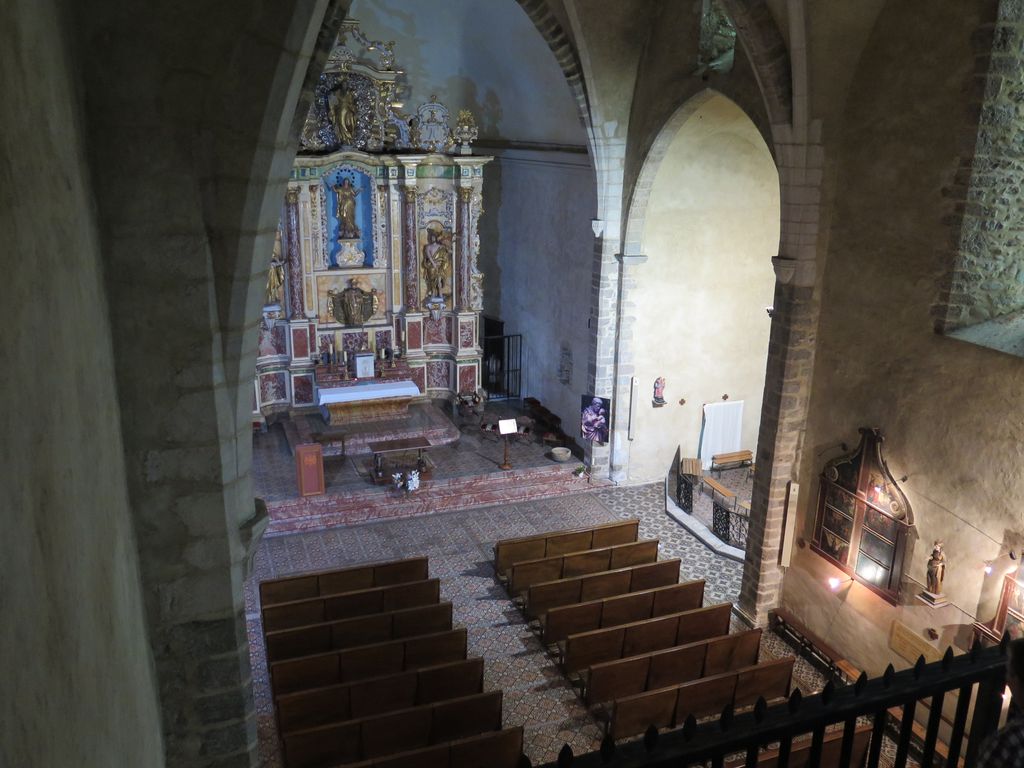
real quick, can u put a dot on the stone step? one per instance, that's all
(328, 511)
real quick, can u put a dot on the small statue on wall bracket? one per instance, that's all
(932, 594)
(936, 569)
(659, 392)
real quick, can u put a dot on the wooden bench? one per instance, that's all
(365, 661)
(498, 749)
(831, 751)
(690, 468)
(509, 551)
(566, 620)
(658, 669)
(540, 598)
(374, 695)
(718, 489)
(321, 583)
(737, 458)
(347, 605)
(588, 648)
(668, 707)
(361, 630)
(526, 572)
(393, 732)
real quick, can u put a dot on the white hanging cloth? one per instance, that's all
(721, 430)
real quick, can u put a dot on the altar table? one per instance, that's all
(367, 402)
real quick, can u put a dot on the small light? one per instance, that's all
(988, 569)
(833, 583)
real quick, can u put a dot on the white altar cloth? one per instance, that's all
(359, 392)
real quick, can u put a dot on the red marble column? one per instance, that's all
(294, 257)
(465, 250)
(412, 283)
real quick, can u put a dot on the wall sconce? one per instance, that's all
(990, 564)
(834, 582)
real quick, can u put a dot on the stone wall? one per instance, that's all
(535, 244)
(952, 413)
(989, 279)
(79, 681)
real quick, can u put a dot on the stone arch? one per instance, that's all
(763, 43)
(636, 289)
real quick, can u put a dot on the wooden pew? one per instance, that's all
(588, 648)
(497, 749)
(347, 605)
(393, 732)
(361, 630)
(736, 458)
(540, 598)
(372, 696)
(658, 669)
(318, 584)
(668, 707)
(566, 620)
(509, 551)
(365, 661)
(526, 572)
(831, 749)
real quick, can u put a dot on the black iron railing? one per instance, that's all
(503, 366)
(729, 523)
(976, 678)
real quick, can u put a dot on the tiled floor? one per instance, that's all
(537, 695)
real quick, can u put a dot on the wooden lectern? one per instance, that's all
(309, 469)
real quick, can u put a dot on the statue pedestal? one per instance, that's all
(350, 253)
(931, 599)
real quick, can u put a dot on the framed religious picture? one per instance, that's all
(595, 418)
(364, 365)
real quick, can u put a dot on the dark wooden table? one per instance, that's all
(381, 447)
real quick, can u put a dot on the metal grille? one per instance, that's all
(503, 362)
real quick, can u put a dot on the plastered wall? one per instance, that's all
(712, 226)
(78, 680)
(481, 55)
(953, 413)
(537, 257)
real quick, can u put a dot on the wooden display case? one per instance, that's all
(863, 518)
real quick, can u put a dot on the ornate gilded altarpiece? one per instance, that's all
(378, 237)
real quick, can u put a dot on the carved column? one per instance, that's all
(412, 283)
(294, 257)
(462, 302)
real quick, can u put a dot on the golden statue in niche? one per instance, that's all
(275, 277)
(343, 116)
(346, 210)
(437, 260)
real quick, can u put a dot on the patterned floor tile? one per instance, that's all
(460, 547)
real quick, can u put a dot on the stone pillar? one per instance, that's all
(410, 267)
(294, 257)
(465, 254)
